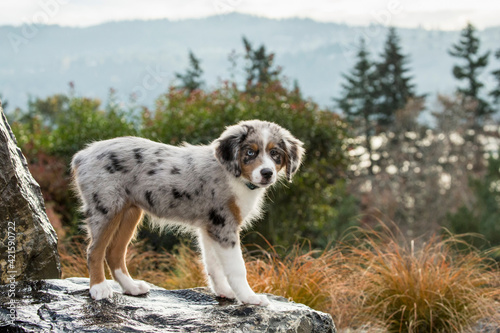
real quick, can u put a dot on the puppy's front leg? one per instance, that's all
(215, 272)
(233, 265)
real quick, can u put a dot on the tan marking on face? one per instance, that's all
(272, 145)
(235, 210)
(248, 168)
(254, 146)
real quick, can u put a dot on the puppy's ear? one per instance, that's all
(294, 153)
(227, 148)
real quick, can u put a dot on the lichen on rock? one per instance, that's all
(28, 243)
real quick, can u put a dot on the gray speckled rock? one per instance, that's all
(28, 243)
(65, 306)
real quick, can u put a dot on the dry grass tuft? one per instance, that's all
(73, 254)
(185, 269)
(436, 288)
(300, 275)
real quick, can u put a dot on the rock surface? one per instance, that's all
(65, 306)
(28, 243)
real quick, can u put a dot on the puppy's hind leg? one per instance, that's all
(216, 278)
(101, 231)
(117, 250)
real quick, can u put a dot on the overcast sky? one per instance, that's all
(430, 14)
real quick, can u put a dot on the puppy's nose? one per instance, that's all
(266, 173)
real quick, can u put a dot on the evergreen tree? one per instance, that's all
(467, 50)
(259, 69)
(296, 89)
(359, 96)
(495, 93)
(191, 80)
(395, 86)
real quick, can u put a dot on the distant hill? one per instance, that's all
(142, 56)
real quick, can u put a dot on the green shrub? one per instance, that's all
(62, 125)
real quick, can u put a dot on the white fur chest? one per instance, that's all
(249, 201)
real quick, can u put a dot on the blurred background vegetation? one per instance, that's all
(368, 160)
(372, 160)
(51, 130)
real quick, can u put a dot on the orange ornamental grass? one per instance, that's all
(73, 255)
(318, 279)
(370, 281)
(436, 288)
(300, 275)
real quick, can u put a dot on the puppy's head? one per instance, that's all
(258, 150)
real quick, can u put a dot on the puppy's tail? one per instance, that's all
(76, 161)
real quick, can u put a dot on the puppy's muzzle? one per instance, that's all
(266, 174)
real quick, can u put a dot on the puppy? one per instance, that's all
(215, 189)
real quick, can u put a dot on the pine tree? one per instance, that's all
(467, 49)
(395, 86)
(259, 69)
(495, 93)
(191, 80)
(360, 93)
(296, 89)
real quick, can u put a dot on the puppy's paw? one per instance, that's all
(256, 300)
(136, 288)
(101, 290)
(225, 293)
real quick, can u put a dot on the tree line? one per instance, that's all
(423, 176)
(336, 189)
(52, 129)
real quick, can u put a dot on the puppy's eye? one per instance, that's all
(275, 155)
(250, 152)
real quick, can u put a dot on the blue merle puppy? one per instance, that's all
(215, 189)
